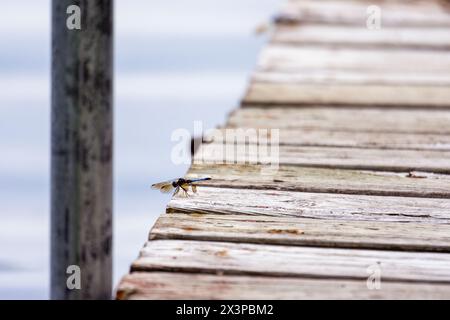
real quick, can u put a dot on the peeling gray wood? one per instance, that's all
(313, 205)
(325, 180)
(303, 232)
(165, 285)
(335, 138)
(343, 119)
(348, 95)
(394, 13)
(81, 183)
(361, 36)
(436, 161)
(290, 261)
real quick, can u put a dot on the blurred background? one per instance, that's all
(176, 61)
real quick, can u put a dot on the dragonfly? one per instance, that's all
(178, 184)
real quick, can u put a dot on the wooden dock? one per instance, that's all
(359, 207)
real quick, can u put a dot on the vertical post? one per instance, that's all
(81, 153)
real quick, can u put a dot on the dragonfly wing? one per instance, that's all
(166, 188)
(185, 186)
(159, 185)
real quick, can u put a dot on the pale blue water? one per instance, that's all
(176, 62)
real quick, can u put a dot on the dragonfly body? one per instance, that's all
(178, 184)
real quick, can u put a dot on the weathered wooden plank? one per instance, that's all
(324, 180)
(355, 77)
(303, 232)
(343, 119)
(361, 36)
(290, 58)
(277, 260)
(348, 94)
(394, 13)
(334, 138)
(436, 161)
(165, 285)
(313, 205)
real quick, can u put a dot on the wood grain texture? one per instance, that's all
(165, 285)
(343, 119)
(291, 58)
(350, 77)
(326, 157)
(303, 232)
(394, 13)
(313, 205)
(334, 138)
(82, 150)
(324, 180)
(361, 36)
(290, 261)
(347, 94)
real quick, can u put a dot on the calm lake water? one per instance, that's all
(175, 62)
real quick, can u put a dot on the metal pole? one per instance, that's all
(81, 153)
